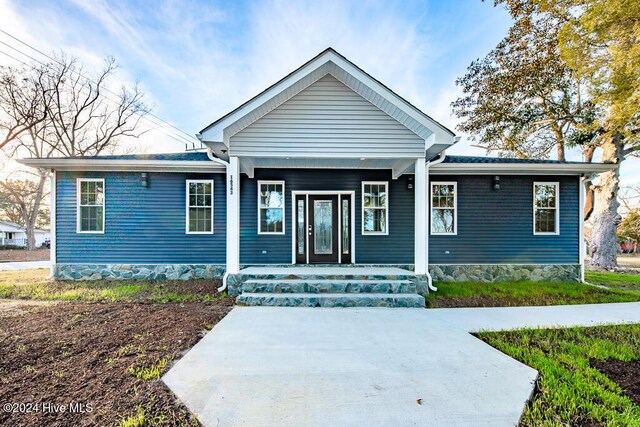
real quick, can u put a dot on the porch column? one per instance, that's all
(52, 224)
(420, 226)
(233, 216)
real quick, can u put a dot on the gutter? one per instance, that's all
(213, 158)
(440, 159)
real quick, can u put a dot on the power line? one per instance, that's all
(162, 125)
(157, 126)
(83, 76)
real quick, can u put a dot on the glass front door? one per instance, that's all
(323, 229)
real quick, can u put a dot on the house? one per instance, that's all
(326, 167)
(12, 234)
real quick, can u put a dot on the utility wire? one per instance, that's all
(163, 126)
(160, 127)
(190, 137)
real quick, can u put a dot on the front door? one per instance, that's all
(323, 225)
(323, 229)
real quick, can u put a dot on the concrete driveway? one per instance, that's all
(264, 366)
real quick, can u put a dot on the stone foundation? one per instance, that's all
(138, 271)
(505, 273)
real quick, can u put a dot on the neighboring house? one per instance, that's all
(12, 234)
(327, 166)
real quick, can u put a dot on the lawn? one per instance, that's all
(623, 281)
(504, 294)
(572, 388)
(33, 284)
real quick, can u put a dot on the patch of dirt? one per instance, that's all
(21, 255)
(625, 374)
(88, 354)
(12, 307)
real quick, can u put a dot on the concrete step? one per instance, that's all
(331, 300)
(327, 286)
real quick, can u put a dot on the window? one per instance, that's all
(90, 214)
(545, 208)
(199, 206)
(375, 208)
(270, 207)
(444, 202)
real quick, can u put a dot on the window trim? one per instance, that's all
(79, 182)
(187, 206)
(455, 208)
(284, 204)
(363, 232)
(556, 184)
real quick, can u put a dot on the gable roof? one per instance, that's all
(327, 62)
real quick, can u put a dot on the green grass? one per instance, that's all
(570, 391)
(34, 285)
(624, 281)
(151, 372)
(474, 294)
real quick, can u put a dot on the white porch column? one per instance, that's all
(583, 248)
(420, 226)
(233, 216)
(52, 224)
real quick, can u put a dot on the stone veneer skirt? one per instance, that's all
(439, 272)
(505, 272)
(138, 271)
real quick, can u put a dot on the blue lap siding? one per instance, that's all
(396, 248)
(496, 226)
(142, 225)
(147, 225)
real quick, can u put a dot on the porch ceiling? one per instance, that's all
(398, 166)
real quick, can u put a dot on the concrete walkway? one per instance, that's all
(25, 265)
(264, 366)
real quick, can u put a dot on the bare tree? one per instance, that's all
(55, 110)
(17, 200)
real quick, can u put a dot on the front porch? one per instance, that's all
(327, 286)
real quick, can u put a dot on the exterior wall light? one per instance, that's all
(410, 182)
(496, 183)
(144, 179)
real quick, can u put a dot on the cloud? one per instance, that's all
(197, 60)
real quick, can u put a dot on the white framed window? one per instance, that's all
(546, 208)
(199, 206)
(444, 208)
(375, 207)
(270, 207)
(90, 194)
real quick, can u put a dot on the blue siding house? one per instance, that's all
(324, 185)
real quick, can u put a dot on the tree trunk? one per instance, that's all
(35, 210)
(588, 184)
(560, 151)
(604, 242)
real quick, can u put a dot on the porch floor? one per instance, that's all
(303, 270)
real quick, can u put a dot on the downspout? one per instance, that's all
(440, 159)
(215, 159)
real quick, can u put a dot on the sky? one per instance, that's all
(197, 60)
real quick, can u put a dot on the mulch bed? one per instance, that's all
(625, 374)
(84, 354)
(22, 255)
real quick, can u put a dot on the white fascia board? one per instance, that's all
(124, 165)
(519, 168)
(216, 132)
